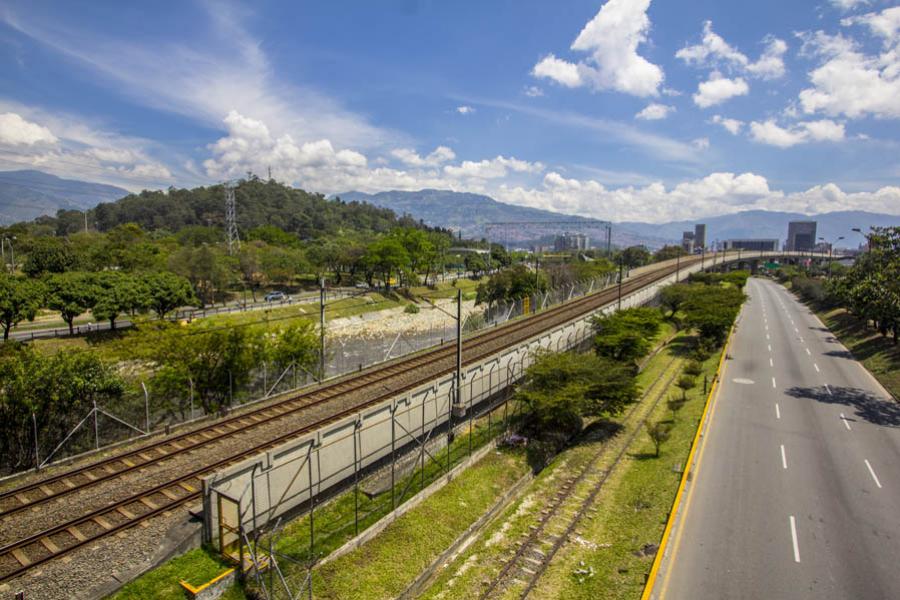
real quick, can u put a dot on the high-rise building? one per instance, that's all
(571, 241)
(699, 237)
(687, 241)
(801, 236)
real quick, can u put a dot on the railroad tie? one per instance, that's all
(168, 494)
(108, 469)
(76, 533)
(145, 457)
(47, 490)
(125, 513)
(89, 475)
(49, 545)
(148, 503)
(99, 520)
(126, 462)
(187, 487)
(69, 484)
(22, 498)
(176, 445)
(21, 557)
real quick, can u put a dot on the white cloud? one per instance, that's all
(494, 168)
(732, 125)
(715, 194)
(850, 82)
(611, 40)
(718, 89)
(771, 64)
(533, 91)
(465, 110)
(220, 67)
(654, 111)
(769, 132)
(846, 5)
(884, 24)
(701, 143)
(712, 50)
(560, 71)
(16, 131)
(410, 157)
(70, 146)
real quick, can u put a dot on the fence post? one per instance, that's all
(146, 408)
(96, 428)
(37, 455)
(191, 384)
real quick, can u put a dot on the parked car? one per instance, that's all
(362, 285)
(276, 297)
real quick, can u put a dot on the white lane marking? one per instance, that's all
(794, 539)
(846, 424)
(801, 339)
(770, 347)
(783, 457)
(777, 411)
(817, 368)
(828, 389)
(808, 353)
(872, 472)
(767, 327)
(771, 362)
(773, 382)
(767, 336)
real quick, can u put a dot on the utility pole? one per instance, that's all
(84, 212)
(609, 241)
(322, 329)
(459, 323)
(677, 267)
(621, 265)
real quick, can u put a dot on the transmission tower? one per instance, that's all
(231, 230)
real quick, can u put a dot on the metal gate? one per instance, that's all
(229, 527)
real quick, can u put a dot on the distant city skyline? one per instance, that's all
(619, 110)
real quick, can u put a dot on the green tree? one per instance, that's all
(386, 256)
(205, 266)
(216, 363)
(295, 345)
(659, 433)
(635, 256)
(711, 310)
(58, 389)
(71, 294)
(48, 255)
(118, 293)
(20, 299)
(166, 291)
(668, 253)
(626, 335)
(686, 383)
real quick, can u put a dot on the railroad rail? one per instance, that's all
(534, 554)
(26, 553)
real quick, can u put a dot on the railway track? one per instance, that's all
(23, 554)
(561, 516)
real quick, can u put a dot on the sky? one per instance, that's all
(621, 110)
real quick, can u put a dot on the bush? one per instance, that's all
(693, 368)
(411, 309)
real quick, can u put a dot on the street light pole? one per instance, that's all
(458, 399)
(322, 329)
(621, 265)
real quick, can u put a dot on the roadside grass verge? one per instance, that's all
(465, 577)
(195, 566)
(877, 353)
(620, 538)
(384, 566)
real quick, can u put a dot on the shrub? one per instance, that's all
(411, 309)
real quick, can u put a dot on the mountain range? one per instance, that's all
(25, 195)
(471, 212)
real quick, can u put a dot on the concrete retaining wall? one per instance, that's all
(269, 485)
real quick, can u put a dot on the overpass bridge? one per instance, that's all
(272, 460)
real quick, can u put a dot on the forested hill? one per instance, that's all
(258, 203)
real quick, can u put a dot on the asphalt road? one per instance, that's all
(796, 493)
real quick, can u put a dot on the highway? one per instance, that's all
(796, 491)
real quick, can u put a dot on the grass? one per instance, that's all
(631, 513)
(196, 567)
(465, 577)
(387, 564)
(877, 353)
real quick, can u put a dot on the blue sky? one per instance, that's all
(625, 110)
